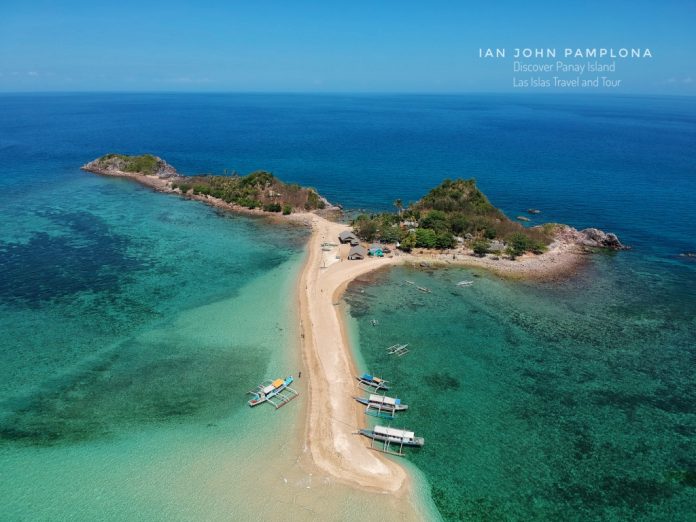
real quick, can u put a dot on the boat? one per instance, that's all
(392, 437)
(276, 392)
(534, 211)
(381, 406)
(373, 382)
(465, 283)
(398, 349)
(423, 289)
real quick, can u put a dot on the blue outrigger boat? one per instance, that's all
(373, 382)
(277, 392)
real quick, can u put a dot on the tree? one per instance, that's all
(408, 242)
(435, 220)
(426, 238)
(389, 233)
(444, 240)
(399, 207)
(365, 227)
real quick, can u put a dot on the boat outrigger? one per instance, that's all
(398, 349)
(392, 436)
(277, 392)
(381, 406)
(370, 381)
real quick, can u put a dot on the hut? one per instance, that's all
(357, 252)
(348, 237)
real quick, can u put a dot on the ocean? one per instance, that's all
(569, 400)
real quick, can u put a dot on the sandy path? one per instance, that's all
(333, 415)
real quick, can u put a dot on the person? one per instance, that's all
(299, 375)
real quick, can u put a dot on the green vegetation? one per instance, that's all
(259, 189)
(454, 209)
(480, 247)
(144, 164)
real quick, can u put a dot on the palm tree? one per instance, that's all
(399, 206)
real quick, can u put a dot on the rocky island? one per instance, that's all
(454, 223)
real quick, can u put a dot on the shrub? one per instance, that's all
(426, 238)
(408, 243)
(480, 247)
(287, 210)
(272, 207)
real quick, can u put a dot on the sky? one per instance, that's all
(386, 46)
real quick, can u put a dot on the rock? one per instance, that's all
(599, 238)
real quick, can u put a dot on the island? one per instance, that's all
(454, 224)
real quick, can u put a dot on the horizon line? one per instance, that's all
(356, 93)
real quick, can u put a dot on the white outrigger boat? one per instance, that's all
(381, 405)
(465, 283)
(398, 349)
(277, 392)
(392, 436)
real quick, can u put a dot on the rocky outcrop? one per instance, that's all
(589, 238)
(115, 164)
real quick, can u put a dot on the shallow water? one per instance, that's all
(132, 323)
(570, 401)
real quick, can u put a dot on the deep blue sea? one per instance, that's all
(574, 400)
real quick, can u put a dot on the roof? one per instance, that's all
(346, 234)
(393, 432)
(375, 246)
(357, 250)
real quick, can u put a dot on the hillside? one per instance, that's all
(257, 190)
(454, 212)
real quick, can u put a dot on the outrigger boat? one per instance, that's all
(391, 436)
(277, 392)
(373, 382)
(381, 406)
(398, 349)
(465, 283)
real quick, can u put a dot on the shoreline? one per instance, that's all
(562, 260)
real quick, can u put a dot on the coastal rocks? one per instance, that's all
(589, 237)
(598, 238)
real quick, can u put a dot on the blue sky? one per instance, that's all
(302, 46)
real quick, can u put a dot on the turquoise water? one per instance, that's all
(564, 401)
(133, 323)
